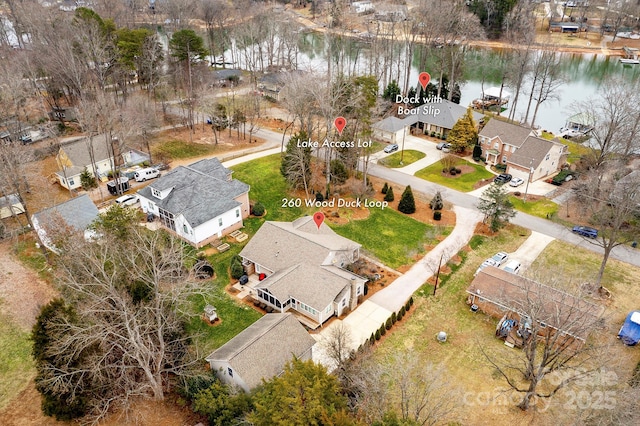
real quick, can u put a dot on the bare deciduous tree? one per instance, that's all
(553, 327)
(419, 391)
(615, 117)
(126, 338)
(610, 198)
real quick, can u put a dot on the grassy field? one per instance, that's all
(234, 316)
(464, 182)
(390, 236)
(576, 150)
(542, 208)
(469, 334)
(268, 187)
(16, 366)
(410, 156)
(467, 331)
(176, 149)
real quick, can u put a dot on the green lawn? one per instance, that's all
(576, 150)
(542, 208)
(463, 182)
(16, 365)
(410, 156)
(268, 186)
(177, 149)
(234, 316)
(390, 236)
(467, 332)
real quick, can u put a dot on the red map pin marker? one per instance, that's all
(318, 218)
(424, 79)
(340, 122)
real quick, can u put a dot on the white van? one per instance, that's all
(513, 266)
(144, 174)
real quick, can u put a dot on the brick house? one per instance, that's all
(523, 153)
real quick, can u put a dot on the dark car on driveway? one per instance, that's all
(501, 179)
(585, 231)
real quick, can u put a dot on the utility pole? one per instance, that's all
(435, 286)
(526, 189)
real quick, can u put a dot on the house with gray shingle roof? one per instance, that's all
(73, 215)
(300, 266)
(261, 351)
(525, 155)
(537, 158)
(438, 116)
(499, 140)
(94, 155)
(390, 129)
(199, 202)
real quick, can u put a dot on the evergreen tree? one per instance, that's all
(495, 204)
(385, 188)
(477, 151)
(407, 204)
(185, 45)
(391, 91)
(463, 133)
(389, 195)
(304, 394)
(87, 180)
(220, 405)
(64, 405)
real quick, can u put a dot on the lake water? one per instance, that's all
(582, 74)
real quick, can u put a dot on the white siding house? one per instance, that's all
(199, 202)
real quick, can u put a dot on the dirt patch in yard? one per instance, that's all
(25, 411)
(22, 292)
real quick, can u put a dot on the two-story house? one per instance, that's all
(199, 202)
(523, 153)
(300, 266)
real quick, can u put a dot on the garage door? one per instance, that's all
(518, 173)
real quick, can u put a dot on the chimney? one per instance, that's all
(353, 300)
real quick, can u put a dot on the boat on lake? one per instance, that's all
(578, 125)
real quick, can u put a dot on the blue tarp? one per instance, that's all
(630, 331)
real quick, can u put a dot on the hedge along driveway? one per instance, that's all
(463, 182)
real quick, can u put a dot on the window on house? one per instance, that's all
(504, 159)
(155, 193)
(185, 229)
(167, 219)
(495, 145)
(220, 222)
(71, 183)
(344, 302)
(547, 157)
(359, 290)
(230, 371)
(237, 212)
